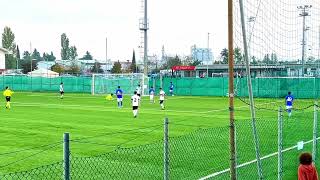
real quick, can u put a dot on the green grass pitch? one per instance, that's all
(98, 127)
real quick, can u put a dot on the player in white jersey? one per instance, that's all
(151, 93)
(162, 94)
(135, 99)
(138, 89)
(61, 90)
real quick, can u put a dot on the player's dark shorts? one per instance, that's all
(8, 98)
(134, 107)
(139, 95)
(61, 92)
(161, 101)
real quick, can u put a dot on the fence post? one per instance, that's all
(315, 134)
(66, 157)
(280, 146)
(166, 149)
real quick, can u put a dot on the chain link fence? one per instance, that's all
(199, 154)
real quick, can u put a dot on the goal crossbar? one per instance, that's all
(107, 83)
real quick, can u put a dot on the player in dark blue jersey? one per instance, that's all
(171, 89)
(289, 103)
(151, 94)
(119, 97)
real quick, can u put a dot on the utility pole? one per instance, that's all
(208, 55)
(106, 56)
(30, 58)
(231, 93)
(304, 12)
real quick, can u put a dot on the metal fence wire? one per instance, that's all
(200, 154)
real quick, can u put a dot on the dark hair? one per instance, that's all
(305, 158)
(61, 83)
(138, 84)
(7, 87)
(160, 88)
(151, 86)
(135, 92)
(118, 86)
(111, 94)
(289, 92)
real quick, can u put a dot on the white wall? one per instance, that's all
(2, 60)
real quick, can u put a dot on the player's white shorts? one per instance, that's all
(289, 107)
(151, 97)
(119, 99)
(170, 90)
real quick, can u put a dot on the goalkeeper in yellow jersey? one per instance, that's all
(109, 97)
(7, 93)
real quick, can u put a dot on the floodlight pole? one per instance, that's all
(231, 93)
(252, 109)
(303, 14)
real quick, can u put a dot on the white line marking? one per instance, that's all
(253, 161)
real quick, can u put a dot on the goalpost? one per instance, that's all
(108, 83)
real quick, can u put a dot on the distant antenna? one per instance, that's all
(144, 27)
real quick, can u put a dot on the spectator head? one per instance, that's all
(305, 158)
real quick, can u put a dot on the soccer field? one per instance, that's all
(35, 124)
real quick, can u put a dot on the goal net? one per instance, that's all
(108, 83)
(278, 87)
(283, 40)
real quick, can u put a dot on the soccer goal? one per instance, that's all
(108, 83)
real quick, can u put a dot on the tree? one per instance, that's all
(48, 57)
(64, 47)
(237, 55)
(173, 61)
(8, 39)
(96, 68)
(26, 55)
(87, 56)
(195, 63)
(266, 59)
(274, 58)
(52, 57)
(8, 43)
(74, 68)
(36, 55)
(73, 53)
(26, 65)
(254, 60)
(133, 65)
(57, 68)
(18, 53)
(116, 69)
(18, 57)
(224, 55)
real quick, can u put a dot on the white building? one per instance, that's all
(2, 58)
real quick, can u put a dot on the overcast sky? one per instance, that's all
(176, 24)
